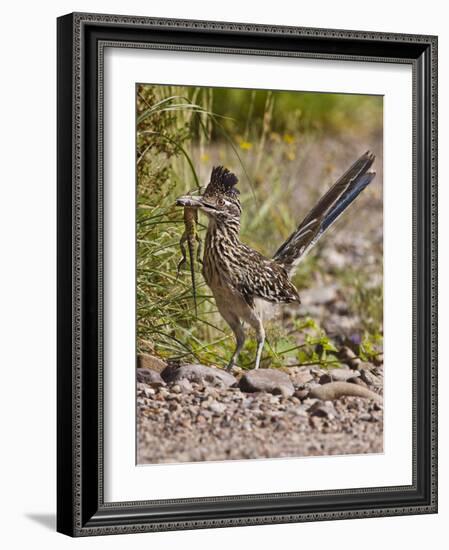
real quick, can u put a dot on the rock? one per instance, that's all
(145, 390)
(316, 371)
(346, 354)
(323, 409)
(357, 380)
(150, 377)
(199, 374)
(211, 391)
(355, 364)
(319, 295)
(367, 377)
(236, 370)
(267, 380)
(378, 371)
(309, 401)
(173, 397)
(335, 390)
(301, 394)
(338, 375)
(300, 375)
(147, 361)
(216, 407)
(301, 410)
(342, 375)
(325, 378)
(185, 385)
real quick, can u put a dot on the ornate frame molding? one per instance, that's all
(81, 41)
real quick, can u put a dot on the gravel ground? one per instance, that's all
(188, 422)
(183, 421)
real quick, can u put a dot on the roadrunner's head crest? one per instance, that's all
(222, 182)
(220, 199)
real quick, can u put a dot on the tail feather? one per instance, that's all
(346, 200)
(331, 205)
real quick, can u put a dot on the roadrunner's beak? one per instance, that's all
(196, 202)
(189, 200)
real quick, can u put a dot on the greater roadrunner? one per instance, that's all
(239, 276)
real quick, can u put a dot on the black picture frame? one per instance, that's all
(81, 509)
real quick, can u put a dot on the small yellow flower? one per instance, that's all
(246, 145)
(290, 155)
(205, 157)
(289, 138)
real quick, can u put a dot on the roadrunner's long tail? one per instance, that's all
(325, 212)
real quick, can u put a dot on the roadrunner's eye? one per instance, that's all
(221, 202)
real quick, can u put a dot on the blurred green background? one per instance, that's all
(287, 148)
(294, 112)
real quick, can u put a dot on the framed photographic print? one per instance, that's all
(246, 274)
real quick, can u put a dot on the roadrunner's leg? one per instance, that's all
(237, 328)
(256, 323)
(239, 334)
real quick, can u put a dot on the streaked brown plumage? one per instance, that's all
(239, 276)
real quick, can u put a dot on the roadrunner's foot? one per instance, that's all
(234, 369)
(230, 366)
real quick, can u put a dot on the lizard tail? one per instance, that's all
(191, 248)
